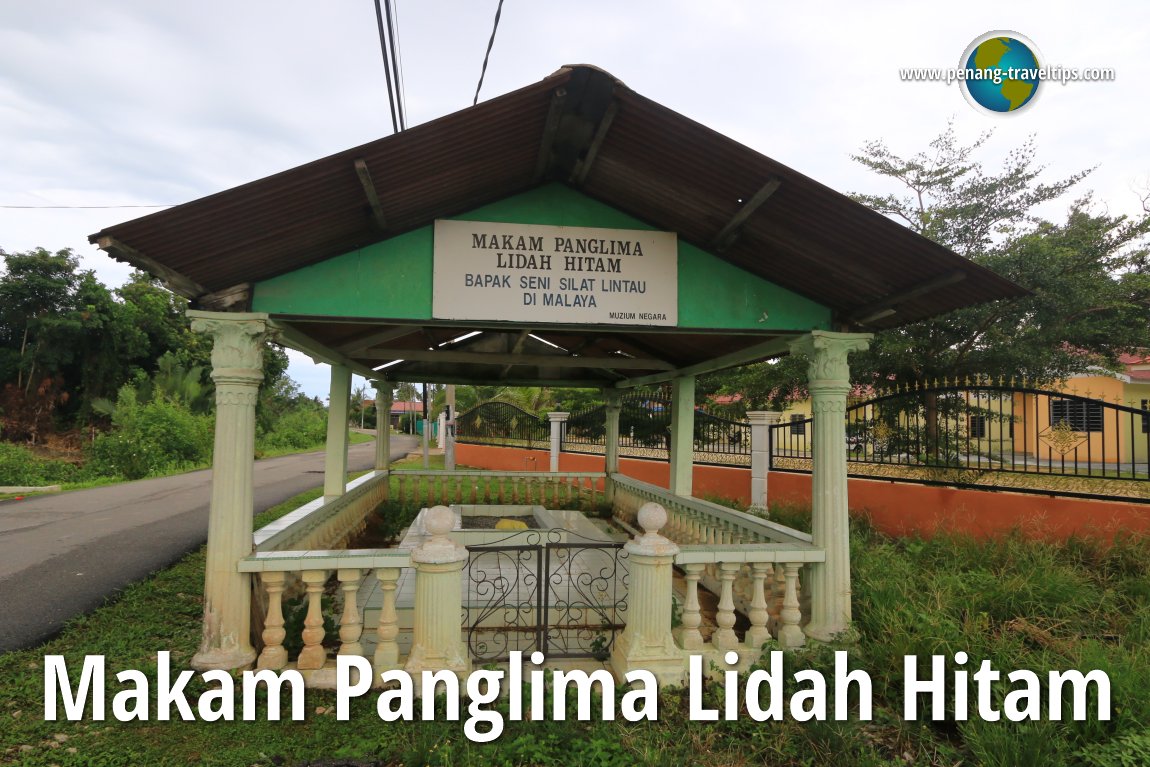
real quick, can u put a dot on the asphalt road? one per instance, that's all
(64, 555)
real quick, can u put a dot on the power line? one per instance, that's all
(391, 36)
(487, 55)
(386, 65)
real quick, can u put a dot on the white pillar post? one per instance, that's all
(557, 420)
(437, 643)
(828, 379)
(449, 445)
(647, 641)
(237, 370)
(761, 423)
(611, 410)
(382, 425)
(335, 457)
(682, 435)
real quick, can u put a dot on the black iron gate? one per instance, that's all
(553, 591)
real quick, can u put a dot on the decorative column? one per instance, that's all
(237, 370)
(761, 423)
(611, 410)
(647, 641)
(437, 643)
(828, 379)
(382, 425)
(682, 435)
(335, 460)
(557, 420)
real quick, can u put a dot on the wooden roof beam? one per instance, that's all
(536, 360)
(729, 233)
(886, 306)
(583, 166)
(516, 349)
(370, 339)
(550, 129)
(175, 282)
(369, 191)
(772, 348)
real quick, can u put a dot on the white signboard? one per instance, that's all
(557, 274)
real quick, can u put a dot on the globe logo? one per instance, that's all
(1001, 72)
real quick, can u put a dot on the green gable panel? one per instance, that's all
(389, 279)
(392, 279)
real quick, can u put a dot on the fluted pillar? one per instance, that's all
(828, 377)
(237, 370)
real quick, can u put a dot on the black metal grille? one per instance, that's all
(968, 433)
(552, 591)
(501, 423)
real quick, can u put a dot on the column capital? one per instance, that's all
(558, 417)
(764, 417)
(237, 338)
(827, 352)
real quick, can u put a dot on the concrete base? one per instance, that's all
(223, 660)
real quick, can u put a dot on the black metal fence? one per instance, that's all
(503, 424)
(985, 435)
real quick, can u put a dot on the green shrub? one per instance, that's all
(148, 439)
(20, 466)
(299, 428)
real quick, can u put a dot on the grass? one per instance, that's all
(1019, 603)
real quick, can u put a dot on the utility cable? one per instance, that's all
(487, 55)
(386, 66)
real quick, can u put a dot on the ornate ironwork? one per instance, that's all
(987, 435)
(541, 590)
(501, 423)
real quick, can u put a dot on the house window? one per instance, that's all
(1079, 415)
(798, 424)
(977, 427)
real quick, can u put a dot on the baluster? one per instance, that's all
(443, 483)
(758, 633)
(569, 485)
(312, 655)
(724, 637)
(401, 482)
(514, 491)
(790, 635)
(386, 648)
(499, 483)
(458, 481)
(273, 656)
(690, 637)
(351, 623)
(775, 605)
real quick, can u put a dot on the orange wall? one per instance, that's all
(896, 508)
(906, 508)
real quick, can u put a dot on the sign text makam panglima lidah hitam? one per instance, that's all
(759, 694)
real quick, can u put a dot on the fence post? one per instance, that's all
(557, 420)
(437, 643)
(647, 641)
(761, 423)
(611, 409)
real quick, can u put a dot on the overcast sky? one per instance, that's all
(138, 102)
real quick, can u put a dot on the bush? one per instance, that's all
(20, 466)
(299, 428)
(148, 439)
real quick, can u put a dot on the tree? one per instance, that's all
(1089, 302)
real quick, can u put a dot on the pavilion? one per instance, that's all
(569, 233)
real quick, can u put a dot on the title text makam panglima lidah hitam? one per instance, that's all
(967, 689)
